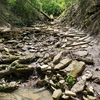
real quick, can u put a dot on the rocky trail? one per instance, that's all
(62, 58)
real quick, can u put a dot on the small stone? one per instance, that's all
(56, 94)
(58, 75)
(79, 86)
(12, 84)
(68, 48)
(65, 97)
(57, 58)
(46, 78)
(64, 45)
(52, 83)
(90, 89)
(61, 81)
(84, 46)
(70, 93)
(44, 67)
(87, 75)
(47, 60)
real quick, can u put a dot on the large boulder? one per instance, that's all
(77, 69)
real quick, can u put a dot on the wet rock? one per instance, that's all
(79, 86)
(87, 75)
(69, 93)
(81, 53)
(44, 67)
(52, 83)
(90, 89)
(65, 97)
(61, 82)
(91, 97)
(47, 60)
(57, 58)
(78, 67)
(56, 94)
(63, 63)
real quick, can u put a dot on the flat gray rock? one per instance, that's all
(79, 86)
(57, 58)
(81, 53)
(63, 63)
(56, 94)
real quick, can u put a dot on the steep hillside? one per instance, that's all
(83, 15)
(18, 15)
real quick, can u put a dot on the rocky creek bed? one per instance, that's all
(65, 60)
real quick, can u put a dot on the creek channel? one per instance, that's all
(34, 47)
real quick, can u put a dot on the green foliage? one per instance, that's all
(70, 80)
(27, 10)
(6, 87)
(11, 1)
